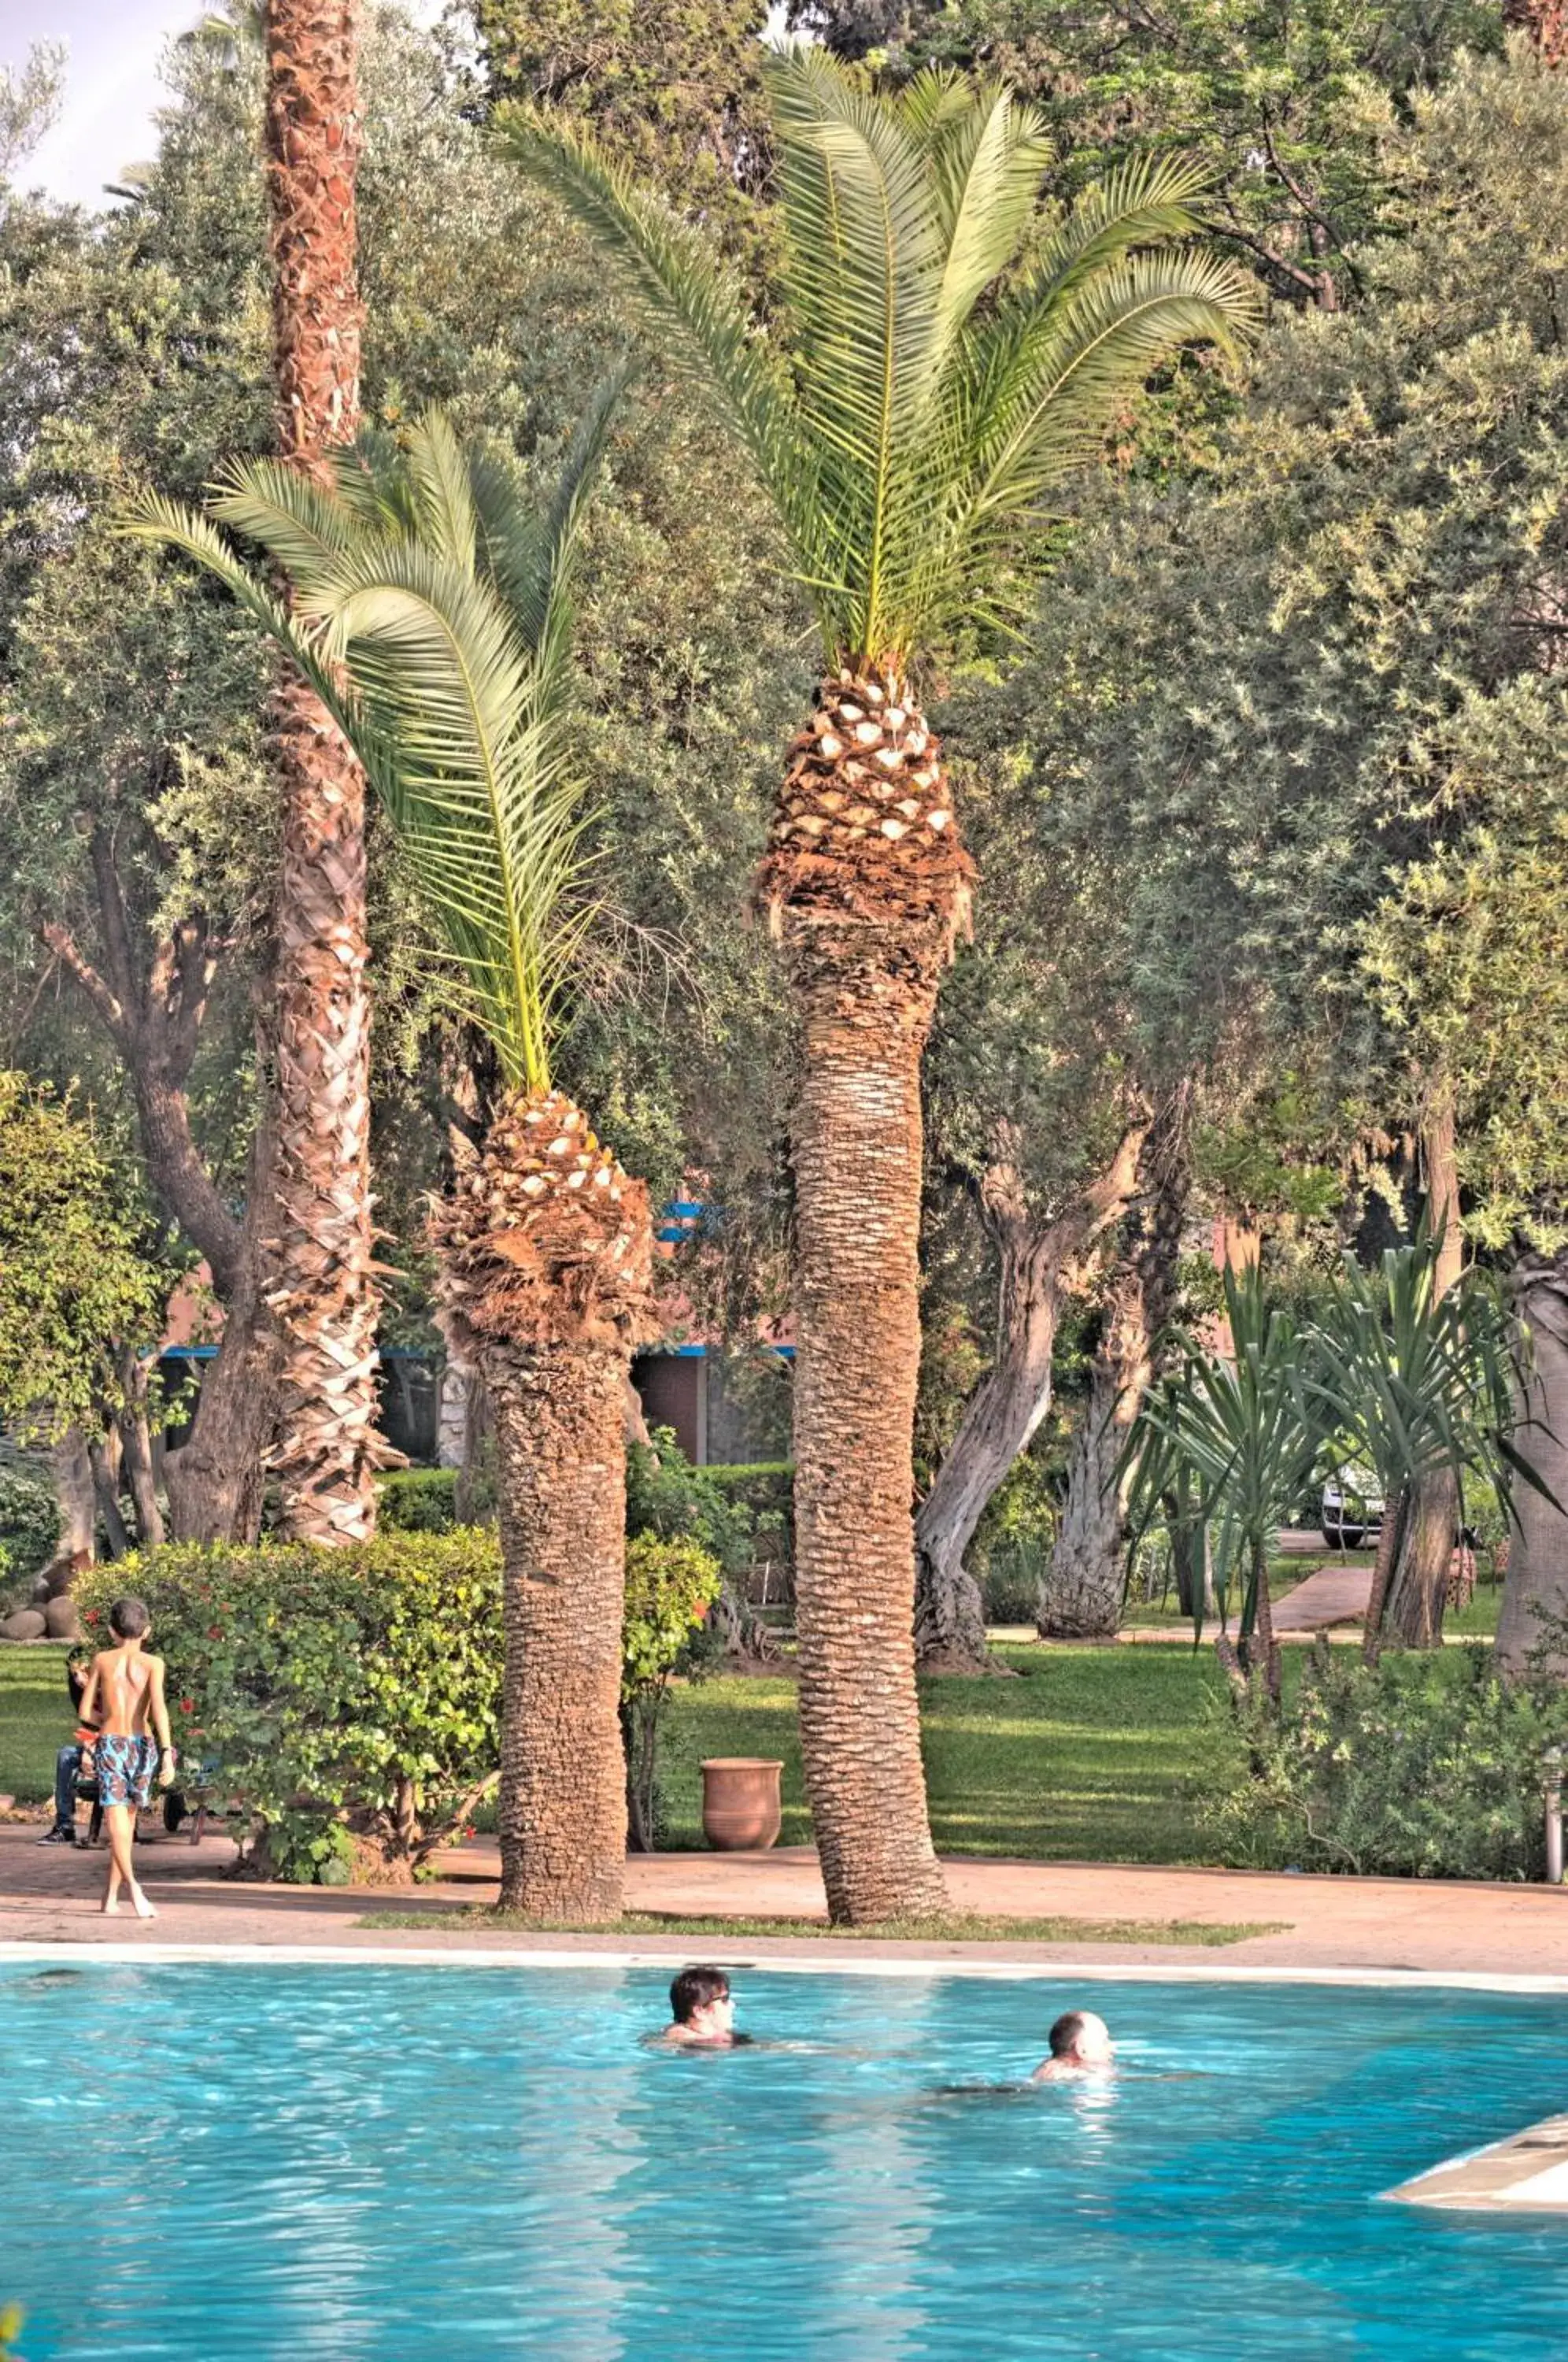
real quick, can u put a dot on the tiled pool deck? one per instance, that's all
(1373, 1927)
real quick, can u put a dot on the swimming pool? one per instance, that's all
(393, 2163)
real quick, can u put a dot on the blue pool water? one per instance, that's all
(202, 2162)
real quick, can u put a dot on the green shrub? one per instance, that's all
(1426, 1765)
(665, 1496)
(29, 1528)
(670, 1587)
(417, 1501)
(350, 1696)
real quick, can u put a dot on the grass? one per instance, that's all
(951, 1928)
(1084, 1756)
(34, 1718)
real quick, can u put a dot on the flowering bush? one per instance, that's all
(1426, 1765)
(670, 1587)
(351, 1697)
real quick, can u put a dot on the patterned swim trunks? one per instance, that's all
(125, 1769)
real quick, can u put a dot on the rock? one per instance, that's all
(27, 1624)
(60, 1619)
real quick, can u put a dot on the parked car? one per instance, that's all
(1352, 1509)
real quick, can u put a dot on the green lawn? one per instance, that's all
(1082, 1757)
(35, 1719)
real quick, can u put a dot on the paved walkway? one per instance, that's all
(1331, 1595)
(1383, 1925)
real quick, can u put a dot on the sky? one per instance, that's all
(112, 84)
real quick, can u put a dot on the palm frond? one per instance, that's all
(452, 688)
(680, 293)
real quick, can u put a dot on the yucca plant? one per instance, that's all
(1240, 1433)
(930, 370)
(1422, 1384)
(428, 609)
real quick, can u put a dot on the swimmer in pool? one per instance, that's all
(1080, 2046)
(702, 2012)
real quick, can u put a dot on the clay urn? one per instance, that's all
(741, 1805)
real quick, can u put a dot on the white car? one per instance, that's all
(1352, 1511)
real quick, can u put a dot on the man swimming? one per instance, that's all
(1080, 2045)
(702, 2012)
(123, 1694)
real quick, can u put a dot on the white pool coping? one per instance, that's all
(732, 1953)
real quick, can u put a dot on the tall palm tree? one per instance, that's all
(921, 391)
(429, 611)
(318, 1264)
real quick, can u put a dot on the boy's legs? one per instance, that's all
(120, 1822)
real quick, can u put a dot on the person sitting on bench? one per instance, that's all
(68, 1762)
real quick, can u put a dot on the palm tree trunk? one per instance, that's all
(546, 1283)
(320, 1287)
(1268, 1646)
(560, 1430)
(865, 884)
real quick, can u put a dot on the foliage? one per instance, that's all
(1423, 1766)
(29, 1526)
(1416, 1383)
(671, 1586)
(417, 1501)
(73, 1281)
(909, 435)
(341, 1694)
(1299, 717)
(1241, 1428)
(673, 87)
(1284, 105)
(667, 1497)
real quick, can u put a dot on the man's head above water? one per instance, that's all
(1080, 2045)
(700, 2007)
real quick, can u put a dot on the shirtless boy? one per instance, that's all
(124, 1694)
(1080, 2045)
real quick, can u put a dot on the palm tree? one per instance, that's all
(921, 391)
(318, 1276)
(429, 611)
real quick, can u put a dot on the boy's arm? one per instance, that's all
(161, 1725)
(88, 1709)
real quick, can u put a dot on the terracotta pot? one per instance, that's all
(740, 1806)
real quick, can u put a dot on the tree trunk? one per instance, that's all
(865, 884)
(75, 1495)
(215, 1481)
(136, 1450)
(1533, 1625)
(1418, 1590)
(104, 1459)
(320, 1290)
(561, 1431)
(1080, 1596)
(546, 1284)
(1395, 1515)
(1264, 1648)
(1036, 1266)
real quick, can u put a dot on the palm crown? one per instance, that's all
(929, 385)
(429, 608)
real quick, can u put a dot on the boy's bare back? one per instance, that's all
(127, 1687)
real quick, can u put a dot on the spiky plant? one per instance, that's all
(428, 609)
(931, 370)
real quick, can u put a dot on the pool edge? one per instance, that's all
(737, 1952)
